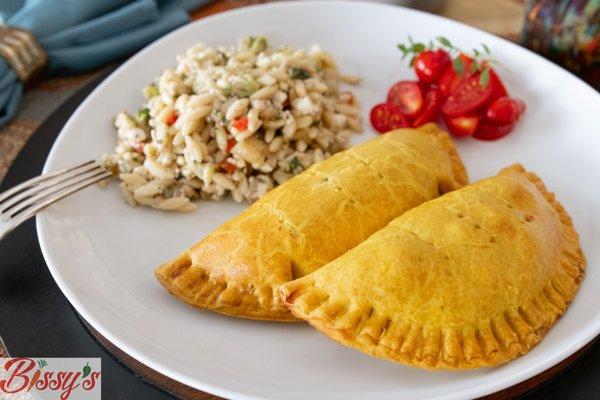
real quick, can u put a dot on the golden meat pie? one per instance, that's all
(310, 220)
(473, 278)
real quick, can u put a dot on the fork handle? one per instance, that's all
(5, 227)
(3, 350)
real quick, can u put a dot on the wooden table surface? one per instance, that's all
(501, 17)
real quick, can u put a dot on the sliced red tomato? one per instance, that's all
(386, 117)
(469, 96)
(450, 80)
(498, 88)
(521, 105)
(425, 87)
(490, 131)
(430, 64)
(462, 126)
(505, 110)
(431, 109)
(407, 96)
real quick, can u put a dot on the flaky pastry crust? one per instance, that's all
(471, 279)
(312, 219)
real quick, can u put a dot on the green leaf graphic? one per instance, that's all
(86, 370)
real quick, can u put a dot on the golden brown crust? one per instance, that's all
(482, 289)
(459, 173)
(310, 220)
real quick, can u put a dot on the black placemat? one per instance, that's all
(35, 317)
(37, 320)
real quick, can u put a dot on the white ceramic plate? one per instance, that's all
(102, 252)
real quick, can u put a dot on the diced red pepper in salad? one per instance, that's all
(230, 144)
(240, 124)
(228, 167)
(347, 97)
(171, 118)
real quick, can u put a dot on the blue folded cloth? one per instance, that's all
(79, 35)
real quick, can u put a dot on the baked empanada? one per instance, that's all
(310, 220)
(474, 278)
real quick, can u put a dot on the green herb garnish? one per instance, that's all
(484, 78)
(259, 44)
(299, 73)
(481, 57)
(143, 115)
(458, 65)
(294, 163)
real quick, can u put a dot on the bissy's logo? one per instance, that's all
(51, 378)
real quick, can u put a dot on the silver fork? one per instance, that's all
(3, 350)
(27, 199)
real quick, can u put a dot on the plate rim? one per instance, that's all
(483, 389)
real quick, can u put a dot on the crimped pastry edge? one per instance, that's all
(496, 342)
(215, 295)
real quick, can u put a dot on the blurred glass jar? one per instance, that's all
(432, 6)
(567, 32)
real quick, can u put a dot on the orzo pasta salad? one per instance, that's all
(236, 120)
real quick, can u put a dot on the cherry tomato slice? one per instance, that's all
(498, 87)
(429, 65)
(468, 97)
(462, 126)
(505, 110)
(490, 131)
(521, 105)
(431, 108)
(450, 80)
(407, 96)
(386, 117)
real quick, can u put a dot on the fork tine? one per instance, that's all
(48, 182)
(34, 209)
(46, 192)
(38, 179)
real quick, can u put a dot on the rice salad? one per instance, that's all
(238, 121)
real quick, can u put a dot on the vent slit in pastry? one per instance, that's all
(456, 299)
(310, 220)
